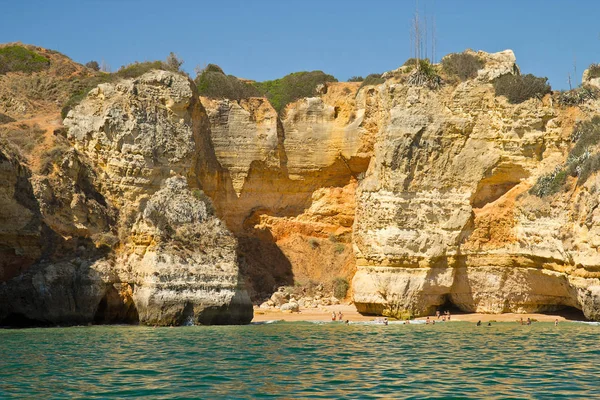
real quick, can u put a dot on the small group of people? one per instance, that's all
(383, 321)
(339, 316)
(488, 324)
(528, 322)
(445, 316)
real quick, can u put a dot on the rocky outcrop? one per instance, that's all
(161, 207)
(137, 238)
(444, 217)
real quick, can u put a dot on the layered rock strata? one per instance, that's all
(148, 246)
(444, 217)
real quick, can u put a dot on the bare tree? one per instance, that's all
(173, 62)
(104, 67)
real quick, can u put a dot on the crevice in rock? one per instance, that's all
(187, 315)
(116, 308)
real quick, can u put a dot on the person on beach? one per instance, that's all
(427, 321)
(556, 322)
(333, 316)
(528, 321)
(437, 314)
(340, 316)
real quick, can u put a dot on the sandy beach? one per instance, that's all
(349, 313)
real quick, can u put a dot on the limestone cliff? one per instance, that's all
(444, 216)
(135, 237)
(294, 179)
(153, 204)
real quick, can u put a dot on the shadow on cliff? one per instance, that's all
(263, 265)
(48, 278)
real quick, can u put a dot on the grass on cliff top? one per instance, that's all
(594, 71)
(212, 82)
(372, 79)
(20, 59)
(518, 88)
(292, 87)
(129, 71)
(581, 162)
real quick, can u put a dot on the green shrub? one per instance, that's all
(518, 88)
(5, 119)
(585, 134)
(577, 96)
(594, 71)
(462, 65)
(340, 288)
(550, 183)
(93, 65)
(372, 79)
(137, 69)
(580, 162)
(425, 75)
(213, 68)
(314, 243)
(292, 87)
(20, 59)
(339, 248)
(412, 62)
(213, 83)
(356, 79)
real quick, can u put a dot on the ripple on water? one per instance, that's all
(302, 360)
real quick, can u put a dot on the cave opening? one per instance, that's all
(569, 313)
(113, 309)
(19, 320)
(449, 306)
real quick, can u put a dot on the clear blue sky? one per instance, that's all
(266, 39)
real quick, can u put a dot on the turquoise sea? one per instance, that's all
(303, 360)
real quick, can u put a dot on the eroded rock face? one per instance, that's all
(444, 217)
(294, 178)
(135, 238)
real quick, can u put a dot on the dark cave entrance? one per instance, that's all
(113, 310)
(18, 320)
(569, 313)
(449, 306)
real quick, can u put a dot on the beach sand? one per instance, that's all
(349, 313)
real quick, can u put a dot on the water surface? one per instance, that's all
(303, 360)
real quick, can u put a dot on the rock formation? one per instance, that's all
(444, 217)
(154, 205)
(136, 237)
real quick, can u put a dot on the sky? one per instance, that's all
(267, 39)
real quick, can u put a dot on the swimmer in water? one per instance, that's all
(556, 322)
(478, 323)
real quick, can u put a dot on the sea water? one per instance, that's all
(303, 360)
